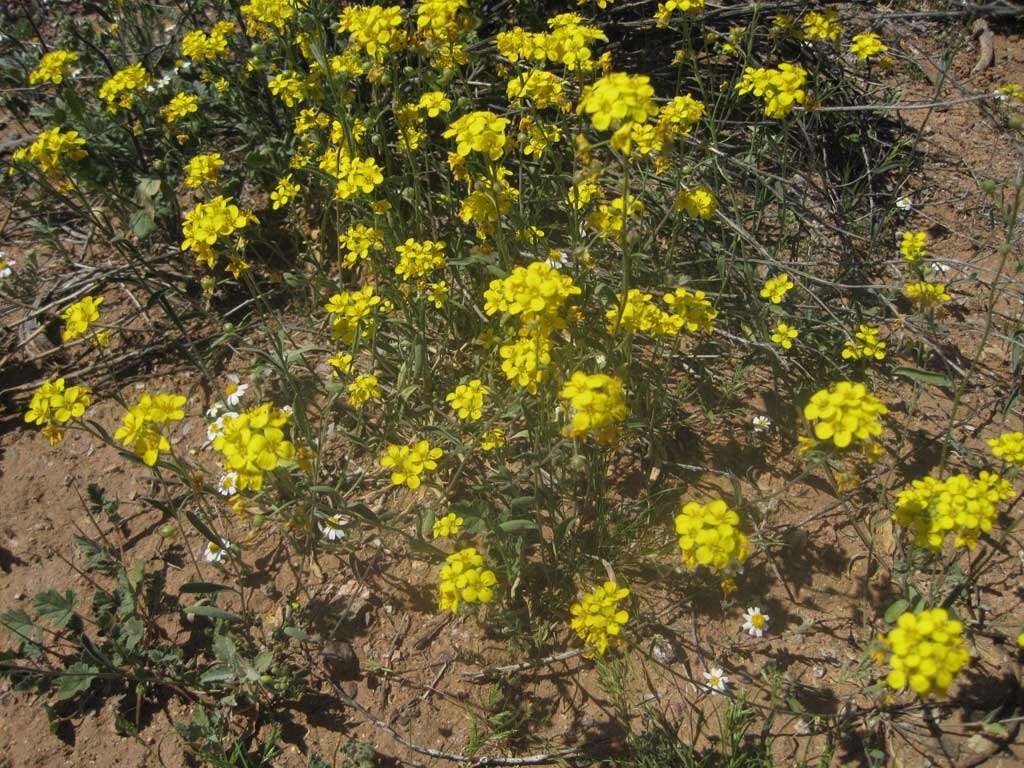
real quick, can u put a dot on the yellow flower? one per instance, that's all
(437, 294)
(53, 405)
(618, 98)
(822, 25)
(914, 246)
(784, 335)
(866, 45)
(866, 344)
(690, 310)
(524, 361)
(536, 292)
(139, 428)
(463, 579)
(363, 389)
(52, 148)
(1009, 447)
(52, 67)
(340, 363)
(781, 89)
(208, 222)
(596, 404)
(120, 90)
(349, 309)
(447, 526)
(357, 175)
(776, 288)
(263, 15)
(479, 131)
(79, 317)
(698, 203)
(374, 29)
(417, 259)
(285, 191)
(203, 169)
(925, 295)
(709, 535)
(254, 443)
(965, 506)
(181, 105)
(200, 47)
(408, 462)
(667, 8)
(358, 241)
(468, 400)
(927, 651)
(845, 412)
(542, 88)
(492, 439)
(597, 618)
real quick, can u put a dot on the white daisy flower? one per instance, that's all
(234, 392)
(761, 423)
(557, 259)
(938, 266)
(215, 553)
(214, 410)
(5, 266)
(716, 680)
(332, 528)
(755, 622)
(1000, 96)
(287, 409)
(228, 484)
(904, 204)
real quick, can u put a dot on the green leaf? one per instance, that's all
(895, 610)
(75, 679)
(996, 729)
(512, 526)
(142, 223)
(217, 675)
(212, 612)
(925, 377)
(54, 607)
(297, 633)
(18, 623)
(262, 662)
(201, 527)
(132, 630)
(224, 649)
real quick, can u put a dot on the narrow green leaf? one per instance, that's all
(925, 377)
(213, 612)
(894, 611)
(204, 588)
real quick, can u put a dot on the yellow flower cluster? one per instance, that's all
(285, 191)
(120, 90)
(289, 88)
(201, 48)
(358, 241)
(349, 309)
(253, 442)
(524, 360)
(776, 288)
(780, 88)
(52, 148)
(263, 15)
(610, 218)
(492, 439)
(468, 400)
(448, 526)
(1009, 447)
(408, 462)
(927, 651)
(965, 506)
(597, 618)
(691, 310)
(53, 405)
(845, 412)
(464, 579)
(180, 106)
(698, 203)
(914, 246)
(209, 222)
(665, 10)
(596, 403)
(543, 88)
(866, 45)
(617, 98)
(709, 535)
(203, 169)
(363, 389)
(925, 295)
(142, 425)
(678, 117)
(784, 335)
(535, 293)
(355, 175)
(375, 30)
(52, 67)
(822, 25)
(865, 344)
(80, 317)
(568, 43)
(479, 131)
(418, 258)
(438, 19)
